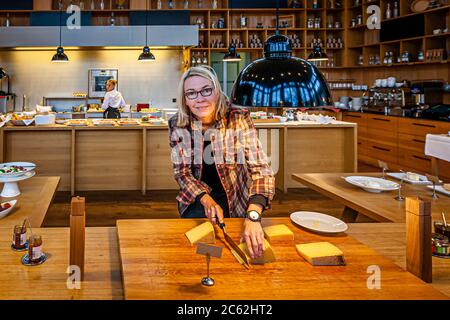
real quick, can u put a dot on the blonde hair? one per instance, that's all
(114, 82)
(208, 73)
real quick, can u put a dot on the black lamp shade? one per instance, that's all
(231, 55)
(280, 81)
(317, 54)
(146, 55)
(60, 56)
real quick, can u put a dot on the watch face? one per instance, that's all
(253, 215)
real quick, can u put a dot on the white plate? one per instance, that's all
(400, 175)
(318, 222)
(371, 184)
(28, 166)
(440, 189)
(4, 213)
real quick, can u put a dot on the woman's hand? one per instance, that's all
(212, 210)
(253, 235)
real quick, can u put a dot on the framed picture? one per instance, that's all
(97, 81)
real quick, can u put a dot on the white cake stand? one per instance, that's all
(11, 187)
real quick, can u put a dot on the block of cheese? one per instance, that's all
(201, 233)
(278, 232)
(321, 254)
(267, 257)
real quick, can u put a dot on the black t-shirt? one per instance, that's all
(210, 176)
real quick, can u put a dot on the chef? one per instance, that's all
(113, 101)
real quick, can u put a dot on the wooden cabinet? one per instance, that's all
(398, 141)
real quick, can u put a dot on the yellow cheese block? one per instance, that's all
(278, 232)
(201, 233)
(267, 257)
(321, 253)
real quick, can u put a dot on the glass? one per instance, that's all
(205, 92)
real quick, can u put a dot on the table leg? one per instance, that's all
(435, 166)
(349, 215)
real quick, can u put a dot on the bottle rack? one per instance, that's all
(242, 25)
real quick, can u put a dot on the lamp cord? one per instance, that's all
(146, 20)
(277, 31)
(60, 27)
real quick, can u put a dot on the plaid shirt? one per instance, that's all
(240, 161)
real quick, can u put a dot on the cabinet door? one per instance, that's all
(382, 123)
(421, 128)
(379, 151)
(359, 118)
(414, 159)
(411, 142)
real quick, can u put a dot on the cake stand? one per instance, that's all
(11, 187)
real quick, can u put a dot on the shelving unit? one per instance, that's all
(366, 43)
(357, 41)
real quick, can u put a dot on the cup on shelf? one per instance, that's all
(391, 81)
(384, 83)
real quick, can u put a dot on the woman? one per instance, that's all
(234, 180)
(113, 101)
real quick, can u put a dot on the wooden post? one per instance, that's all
(418, 238)
(77, 233)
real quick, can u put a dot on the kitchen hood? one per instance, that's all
(100, 36)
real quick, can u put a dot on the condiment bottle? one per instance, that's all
(19, 237)
(34, 248)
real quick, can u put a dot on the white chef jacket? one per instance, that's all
(113, 99)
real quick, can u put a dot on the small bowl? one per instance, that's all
(437, 31)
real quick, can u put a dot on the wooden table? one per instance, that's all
(389, 240)
(103, 278)
(159, 263)
(49, 280)
(34, 201)
(378, 206)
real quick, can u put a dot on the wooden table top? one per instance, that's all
(37, 194)
(159, 263)
(49, 280)
(389, 240)
(378, 206)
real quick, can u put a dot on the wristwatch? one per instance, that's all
(253, 215)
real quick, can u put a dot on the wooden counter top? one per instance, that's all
(293, 124)
(37, 195)
(103, 278)
(159, 250)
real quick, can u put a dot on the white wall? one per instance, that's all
(35, 76)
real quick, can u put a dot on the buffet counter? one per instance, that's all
(137, 157)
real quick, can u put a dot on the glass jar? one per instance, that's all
(34, 248)
(19, 240)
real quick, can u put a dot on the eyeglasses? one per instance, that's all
(205, 92)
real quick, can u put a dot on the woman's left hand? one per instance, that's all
(253, 235)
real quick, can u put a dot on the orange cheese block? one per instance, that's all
(321, 254)
(278, 232)
(267, 257)
(201, 233)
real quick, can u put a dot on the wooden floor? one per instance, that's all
(104, 208)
